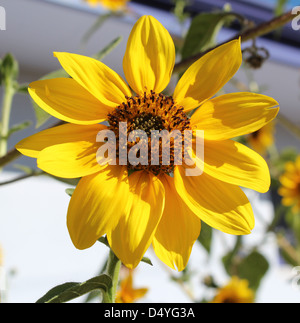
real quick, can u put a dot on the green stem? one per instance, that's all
(14, 153)
(112, 269)
(246, 35)
(9, 92)
(9, 157)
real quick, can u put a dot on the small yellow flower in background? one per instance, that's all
(150, 206)
(262, 139)
(290, 185)
(110, 4)
(126, 292)
(236, 291)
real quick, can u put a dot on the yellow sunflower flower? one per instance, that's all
(290, 185)
(262, 139)
(110, 4)
(236, 291)
(150, 206)
(128, 294)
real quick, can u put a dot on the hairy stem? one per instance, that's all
(112, 269)
(6, 109)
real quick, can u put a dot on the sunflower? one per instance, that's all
(136, 206)
(290, 185)
(262, 139)
(236, 291)
(127, 293)
(110, 4)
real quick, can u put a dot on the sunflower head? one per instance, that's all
(151, 112)
(236, 291)
(140, 204)
(290, 185)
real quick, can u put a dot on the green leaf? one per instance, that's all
(205, 236)
(68, 291)
(203, 32)
(41, 116)
(70, 191)
(253, 268)
(18, 127)
(147, 261)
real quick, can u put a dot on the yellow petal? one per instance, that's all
(234, 163)
(288, 201)
(178, 229)
(288, 181)
(65, 99)
(208, 75)
(67, 133)
(134, 232)
(221, 205)
(290, 168)
(97, 204)
(287, 192)
(67, 151)
(150, 56)
(101, 81)
(234, 114)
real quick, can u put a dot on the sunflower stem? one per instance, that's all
(113, 270)
(9, 92)
(245, 35)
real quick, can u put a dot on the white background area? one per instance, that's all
(38, 253)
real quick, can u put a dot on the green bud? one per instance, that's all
(9, 69)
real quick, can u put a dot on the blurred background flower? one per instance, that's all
(290, 185)
(262, 139)
(236, 291)
(110, 4)
(127, 293)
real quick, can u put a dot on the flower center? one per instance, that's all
(147, 122)
(151, 113)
